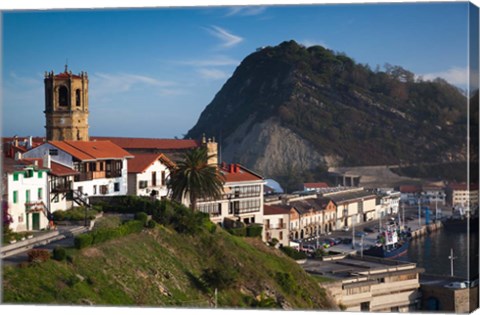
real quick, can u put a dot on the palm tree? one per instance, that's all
(194, 178)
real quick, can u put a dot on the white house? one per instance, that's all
(101, 165)
(433, 195)
(276, 222)
(24, 188)
(148, 174)
(242, 198)
(388, 202)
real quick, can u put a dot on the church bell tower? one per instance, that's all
(66, 106)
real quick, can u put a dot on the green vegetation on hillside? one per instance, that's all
(164, 266)
(367, 117)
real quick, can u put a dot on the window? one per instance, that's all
(15, 196)
(27, 196)
(40, 193)
(40, 174)
(142, 184)
(29, 173)
(154, 179)
(116, 186)
(80, 189)
(104, 189)
(94, 189)
(53, 152)
(163, 178)
(77, 97)
(280, 236)
(56, 199)
(63, 96)
(15, 177)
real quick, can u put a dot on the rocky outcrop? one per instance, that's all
(269, 148)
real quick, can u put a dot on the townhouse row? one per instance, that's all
(302, 217)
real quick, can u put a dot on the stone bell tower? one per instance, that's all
(66, 105)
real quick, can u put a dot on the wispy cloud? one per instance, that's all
(246, 11)
(213, 74)
(125, 81)
(216, 61)
(454, 75)
(228, 39)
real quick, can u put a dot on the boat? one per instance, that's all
(460, 219)
(389, 245)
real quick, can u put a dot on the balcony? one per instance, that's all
(113, 173)
(83, 177)
(62, 187)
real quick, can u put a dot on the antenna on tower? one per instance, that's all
(66, 65)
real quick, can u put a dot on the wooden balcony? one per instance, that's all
(276, 226)
(62, 187)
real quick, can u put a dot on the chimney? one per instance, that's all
(237, 168)
(18, 156)
(15, 141)
(224, 165)
(231, 168)
(30, 143)
(47, 161)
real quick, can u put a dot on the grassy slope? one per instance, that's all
(163, 268)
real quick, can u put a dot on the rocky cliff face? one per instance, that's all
(272, 148)
(290, 109)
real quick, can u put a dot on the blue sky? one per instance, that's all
(153, 71)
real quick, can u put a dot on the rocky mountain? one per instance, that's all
(289, 110)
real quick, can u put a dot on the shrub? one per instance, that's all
(38, 255)
(141, 216)
(293, 253)
(220, 277)
(210, 226)
(83, 240)
(59, 253)
(151, 224)
(273, 242)
(241, 231)
(254, 230)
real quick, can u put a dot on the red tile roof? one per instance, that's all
(238, 173)
(275, 209)
(462, 186)
(410, 189)
(61, 170)
(142, 161)
(151, 143)
(315, 185)
(91, 150)
(66, 75)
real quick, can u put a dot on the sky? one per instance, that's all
(152, 71)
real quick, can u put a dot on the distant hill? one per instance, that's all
(295, 110)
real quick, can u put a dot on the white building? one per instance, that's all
(24, 189)
(242, 198)
(433, 195)
(101, 165)
(276, 222)
(388, 202)
(148, 174)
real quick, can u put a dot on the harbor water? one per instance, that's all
(432, 252)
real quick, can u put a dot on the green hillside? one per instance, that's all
(164, 268)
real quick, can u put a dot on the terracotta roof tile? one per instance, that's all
(91, 150)
(151, 143)
(410, 189)
(276, 209)
(141, 161)
(238, 173)
(61, 170)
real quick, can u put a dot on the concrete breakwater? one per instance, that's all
(419, 231)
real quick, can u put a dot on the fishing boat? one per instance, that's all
(461, 219)
(389, 245)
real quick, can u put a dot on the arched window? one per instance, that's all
(63, 96)
(77, 97)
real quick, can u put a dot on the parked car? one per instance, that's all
(368, 230)
(360, 234)
(347, 241)
(345, 229)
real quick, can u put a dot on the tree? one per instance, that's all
(194, 178)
